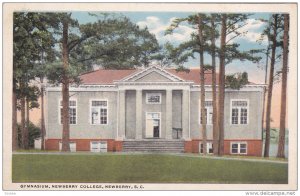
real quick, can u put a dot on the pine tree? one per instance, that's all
(275, 28)
(281, 142)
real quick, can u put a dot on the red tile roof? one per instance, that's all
(106, 76)
(193, 75)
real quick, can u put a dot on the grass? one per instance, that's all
(257, 158)
(147, 168)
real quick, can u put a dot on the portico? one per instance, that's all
(151, 104)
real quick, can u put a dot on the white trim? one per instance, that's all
(59, 107)
(154, 83)
(155, 94)
(99, 146)
(207, 116)
(239, 112)
(90, 111)
(70, 142)
(153, 118)
(207, 147)
(246, 88)
(239, 147)
(91, 87)
(141, 73)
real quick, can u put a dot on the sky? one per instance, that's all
(158, 22)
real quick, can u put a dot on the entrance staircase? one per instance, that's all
(154, 145)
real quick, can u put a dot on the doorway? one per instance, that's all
(152, 125)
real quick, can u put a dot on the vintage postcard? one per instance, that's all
(150, 96)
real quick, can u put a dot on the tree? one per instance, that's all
(33, 133)
(237, 80)
(43, 128)
(29, 28)
(114, 43)
(164, 57)
(14, 118)
(65, 83)
(213, 33)
(111, 43)
(185, 50)
(202, 79)
(281, 142)
(274, 26)
(221, 90)
(230, 27)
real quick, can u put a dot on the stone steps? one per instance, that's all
(153, 146)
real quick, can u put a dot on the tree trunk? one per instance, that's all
(65, 91)
(14, 118)
(264, 95)
(23, 139)
(214, 93)
(270, 88)
(202, 78)
(43, 129)
(222, 85)
(281, 142)
(27, 125)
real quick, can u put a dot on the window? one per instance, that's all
(208, 111)
(239, 112)
(153, 98)
(209, 148)
(98, 146)
(239, 148)
(72, 146)
(95, 146)
(99, 112)
(72, 112)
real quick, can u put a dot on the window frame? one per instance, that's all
(207, 147)
(149, 94)
(146, 118)
(90, 111)
(59, 113)
(70, 142)
(239, 111)
(98, 143)
(239, 148)
(207, 113)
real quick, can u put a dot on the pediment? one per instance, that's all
(152, 74)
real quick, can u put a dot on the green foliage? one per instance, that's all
(182, 69)
(111, 42)
(187, 49)
(114, 43)
(31, 93)
(30, 38)
(164, 57)
(34, 132)
(236, 81)
(55, 73)
(232, 53)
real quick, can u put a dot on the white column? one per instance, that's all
(185, 114)
(169, 114)
(138, 114)
(122, 114)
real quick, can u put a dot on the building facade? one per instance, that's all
(152, 109)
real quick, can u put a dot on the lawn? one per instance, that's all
(145, 168)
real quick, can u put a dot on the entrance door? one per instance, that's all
(152, 125)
